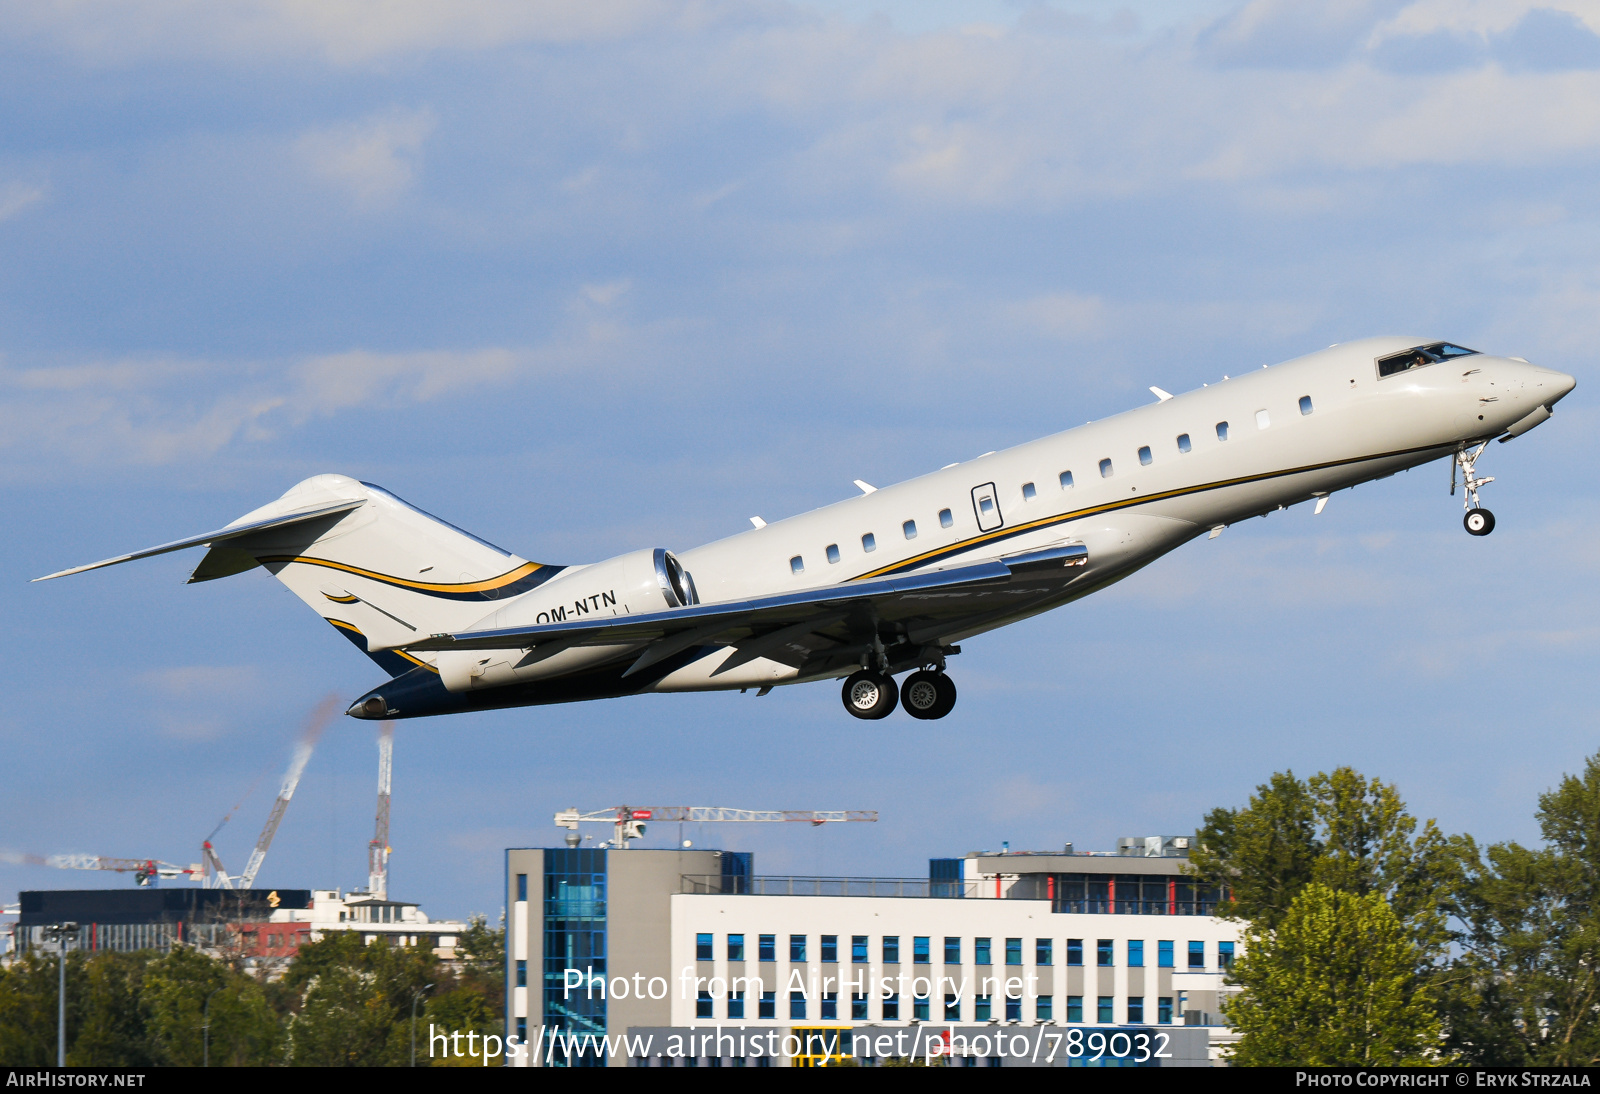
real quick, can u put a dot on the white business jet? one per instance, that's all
(885, 582)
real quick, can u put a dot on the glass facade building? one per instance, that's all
(574, 938)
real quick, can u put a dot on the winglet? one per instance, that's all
(865, 487)
(1159, 394)
(758, 522)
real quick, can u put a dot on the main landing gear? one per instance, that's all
(928, 694)
(871, 695)
(868, 694)
(1478, 521)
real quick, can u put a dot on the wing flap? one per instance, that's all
(233, 531)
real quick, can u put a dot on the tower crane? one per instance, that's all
(378, 849)
(297, 765)
(142, 869)
(210, 872)
(628, 822)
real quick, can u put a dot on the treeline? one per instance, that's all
(1371, 939)
(339, 1004)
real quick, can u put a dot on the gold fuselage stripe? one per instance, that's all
(486, 585)
(1046, 522)
(342, 625)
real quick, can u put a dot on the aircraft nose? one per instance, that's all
(1546, 386)
(1563, 385)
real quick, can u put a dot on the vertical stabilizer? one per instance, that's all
(383, 572)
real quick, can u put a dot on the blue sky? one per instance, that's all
(585, 278)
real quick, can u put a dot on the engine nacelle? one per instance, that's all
(636, 583)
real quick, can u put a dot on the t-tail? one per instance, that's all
(379, 569)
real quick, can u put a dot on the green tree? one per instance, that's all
(1526, 990)
(350, 1002)
(110, 1031)
(187, 991)
(1334, 983)
(1261, 856)
(472, 998)
(1341, 830)
(28, 993)
(105, 1022)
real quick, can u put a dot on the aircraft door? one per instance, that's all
(986, 505)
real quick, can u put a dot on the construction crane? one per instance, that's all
(210, 872)
(628, 823)
(378, 849)
(297, 765)
(144, 870)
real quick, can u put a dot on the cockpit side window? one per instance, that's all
(1421, 356)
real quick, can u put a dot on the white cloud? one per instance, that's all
(164, 411)
(1477, 17)
(344, 32)
(1069, 316)
(16, 197)
(373, 160)
(334, 382)
(202, 681)
(1025, 116)
(607, 293)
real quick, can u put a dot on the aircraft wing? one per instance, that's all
(796, 627)
(233, 531)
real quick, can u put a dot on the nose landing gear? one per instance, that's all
(1478, 521)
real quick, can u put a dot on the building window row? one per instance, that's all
(983, 1008)
(828, 950)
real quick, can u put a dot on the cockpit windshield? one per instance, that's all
(1419, 356)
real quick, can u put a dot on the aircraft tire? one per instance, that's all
(1478, 522)
(921, 695)
(870, 695)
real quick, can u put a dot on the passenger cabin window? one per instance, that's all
(946, 519)
(1066, 480)
(1144, 456)
(1105, 469)
(1305, 404)
(910, 529)
(1028, 492)
(833, 552)
(1222, 431)
(1420, 357)
(986, 505)
(1183, 442)
(797, 565)
(1262, 419)
(869, 543)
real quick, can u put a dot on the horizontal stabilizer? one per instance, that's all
(233, 531)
